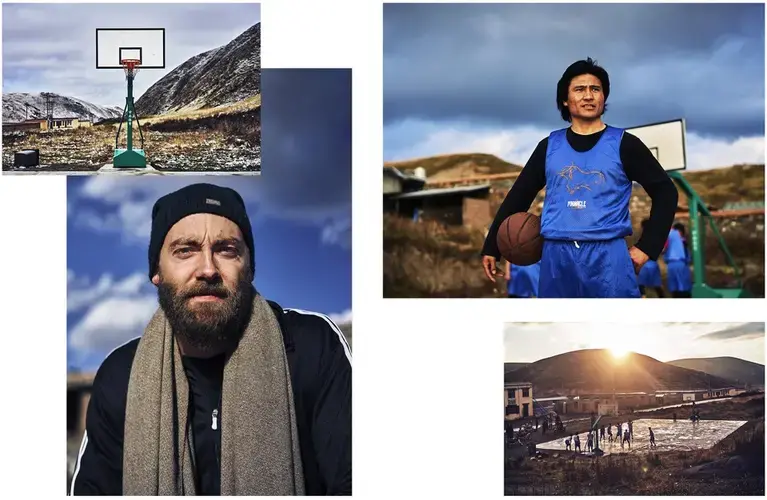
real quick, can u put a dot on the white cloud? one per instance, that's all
(713, 153)
(338, 232)
(515, 145)
(112, 322)
(61, 56)
(82, 295)
(129, 201)
(342, 318)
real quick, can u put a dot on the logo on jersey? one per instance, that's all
(577, 204)
(577, 178)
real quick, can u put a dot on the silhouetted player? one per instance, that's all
(652, 438)
(610, 433)
(590, 442)
(588, 170)
(577, 443)
(626, 438)
(567, 443)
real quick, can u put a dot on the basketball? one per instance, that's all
(519, 239)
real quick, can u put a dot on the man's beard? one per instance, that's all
(207, 326)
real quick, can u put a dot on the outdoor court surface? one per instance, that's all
(681, 435)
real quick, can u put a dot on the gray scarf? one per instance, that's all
(260, 453)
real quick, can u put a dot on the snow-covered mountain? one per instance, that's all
(15, 108)
(224, 75)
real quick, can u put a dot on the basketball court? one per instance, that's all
(682, 435)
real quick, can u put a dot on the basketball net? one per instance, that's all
(131, 67)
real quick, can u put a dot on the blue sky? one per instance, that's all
(482, 78)
(300, 209)
(690, 340)
(52, 47)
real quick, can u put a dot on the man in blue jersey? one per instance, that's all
(588, 170)
(522, 281)
(649, 275)
(677, 257)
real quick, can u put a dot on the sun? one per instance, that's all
(618, 352)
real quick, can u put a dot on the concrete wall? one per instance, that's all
(391, 184)
(476, 212)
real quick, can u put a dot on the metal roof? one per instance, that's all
(513, 385)
(443, 191)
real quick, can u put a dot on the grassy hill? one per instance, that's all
(726, 367)
(457, 165)
(594, 369)
(508, 367)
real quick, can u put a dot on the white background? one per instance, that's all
(427, 381)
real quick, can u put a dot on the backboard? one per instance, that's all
(666, 140)
(115, 44)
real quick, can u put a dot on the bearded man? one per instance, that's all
(225, 393)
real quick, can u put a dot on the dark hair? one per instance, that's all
(578, 68)
(680, 227)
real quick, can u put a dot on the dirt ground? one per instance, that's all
(221, 145)
(734, 466)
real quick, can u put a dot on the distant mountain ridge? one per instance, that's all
(727, 367)
(220, 76)
(507, 367)
(18, 106)
(597, 370)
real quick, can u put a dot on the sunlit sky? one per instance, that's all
(529, 342)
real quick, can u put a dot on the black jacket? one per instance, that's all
(319, 360)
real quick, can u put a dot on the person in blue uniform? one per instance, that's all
(588, 170)
(522, 281)
(649, 275)
(677, 257)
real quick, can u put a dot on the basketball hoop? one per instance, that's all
(131, 67)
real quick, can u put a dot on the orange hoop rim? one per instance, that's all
(130, 63)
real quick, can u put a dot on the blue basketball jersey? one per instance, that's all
(587, 194)
(675, 249)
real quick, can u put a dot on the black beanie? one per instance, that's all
(196, 199)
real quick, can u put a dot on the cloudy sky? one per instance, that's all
(52, 47)
(300, 209)
(529, 342)
(482, 78)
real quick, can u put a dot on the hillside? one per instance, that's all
(220, 76)
(593, 370)
(18, 106)
(457, 165)
(727, 367)
(508, 367)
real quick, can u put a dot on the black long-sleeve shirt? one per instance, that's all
(320, 371)
(640, 166)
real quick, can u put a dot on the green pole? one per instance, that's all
(696, 237)
(129, 106)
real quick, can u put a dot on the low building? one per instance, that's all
(405, 195)
(78, 396)
(43, 124)
(36, 124)
(612, 402)
(518, 400)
